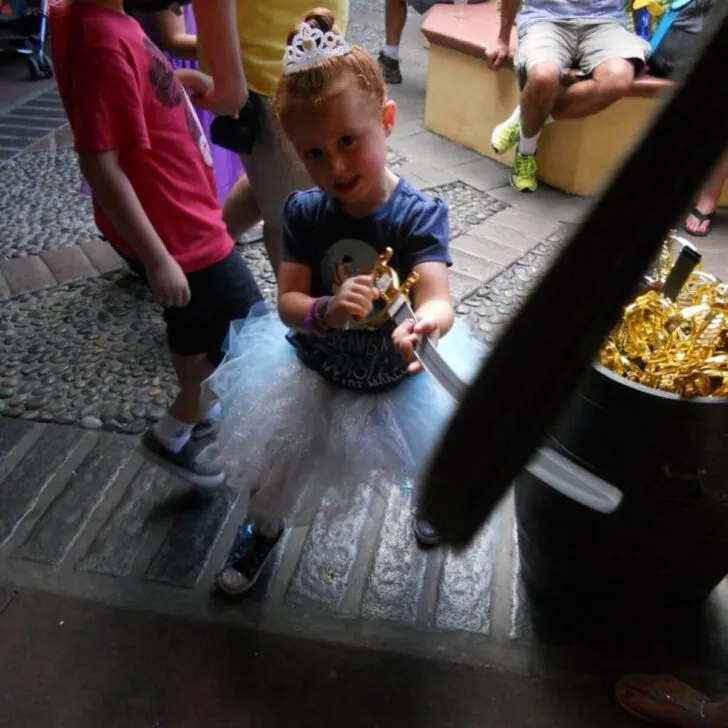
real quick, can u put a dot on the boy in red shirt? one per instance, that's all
(146, 159)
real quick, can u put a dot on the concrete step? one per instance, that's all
(82, 514)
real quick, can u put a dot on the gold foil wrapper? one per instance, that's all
(676, 346)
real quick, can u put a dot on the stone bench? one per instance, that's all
(466, 99)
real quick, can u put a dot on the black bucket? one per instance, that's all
(667, 544)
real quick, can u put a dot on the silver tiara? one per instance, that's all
(310, 46)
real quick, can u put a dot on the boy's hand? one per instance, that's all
(198, 84)
(169, 283)
(408, 333)
(353, 301)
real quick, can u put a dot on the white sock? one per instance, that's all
(391, 52)
(515, 116)
(172, 433)
(528, 145)
(213, 413)
(550, 120)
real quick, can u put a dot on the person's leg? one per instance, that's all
(170, 442)
(240, 209)
(395, 17)
(191, 372)
(220, 294)
(274, 172)
(699, 221)
(668, 701)
(545, 52)
(254, 544)
(610, 56)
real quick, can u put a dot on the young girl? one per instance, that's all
(317, 403)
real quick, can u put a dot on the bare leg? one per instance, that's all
(538, 97)
(609, 82)
(395, 17)
(273, 240)
(708, 199)
(240, 209)
(191, 372)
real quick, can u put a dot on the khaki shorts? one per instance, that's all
(582, 44)
(273, 168)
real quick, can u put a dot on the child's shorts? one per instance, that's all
(219, 294)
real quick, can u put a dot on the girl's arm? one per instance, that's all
(431, 296)
(300, 311)
(434, 315)
(217, 31)
(175, 39)
(294, 299)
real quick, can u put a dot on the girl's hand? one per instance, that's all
(352, 301)
(197, 84)
(408, 333)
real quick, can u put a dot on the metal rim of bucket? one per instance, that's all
(642, 389)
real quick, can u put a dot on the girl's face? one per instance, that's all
(342, 142)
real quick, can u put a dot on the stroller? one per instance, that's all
(23, 29)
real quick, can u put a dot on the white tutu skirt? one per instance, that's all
(288, 437)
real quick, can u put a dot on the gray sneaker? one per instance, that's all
(187, 463)
(390, 69)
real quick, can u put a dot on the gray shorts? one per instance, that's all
(582, 44)
(273, 168)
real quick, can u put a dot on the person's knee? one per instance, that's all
(614, 79)
(543, 79)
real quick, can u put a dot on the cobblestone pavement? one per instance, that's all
(83, 371)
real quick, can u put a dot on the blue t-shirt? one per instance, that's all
(536, 11)
(318, 233)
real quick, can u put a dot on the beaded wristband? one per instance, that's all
(315, 315)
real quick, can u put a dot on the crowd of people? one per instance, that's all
(192, 124)
(282, 400)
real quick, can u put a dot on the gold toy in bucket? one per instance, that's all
(674, 335)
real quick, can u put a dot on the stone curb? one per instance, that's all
(55, 267)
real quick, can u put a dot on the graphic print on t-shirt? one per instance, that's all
(362, 357)
(170, 93)
(167, 88)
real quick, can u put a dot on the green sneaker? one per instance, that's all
(523, 177)
(505, 136)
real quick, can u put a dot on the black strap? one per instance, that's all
(512, 404)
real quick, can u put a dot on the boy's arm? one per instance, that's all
(217, 33)
(114, 193)
(175, 39)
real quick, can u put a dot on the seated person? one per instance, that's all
(573, 59)
(395, 17)
(677, 50)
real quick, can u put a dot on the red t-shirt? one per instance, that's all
(121, 94)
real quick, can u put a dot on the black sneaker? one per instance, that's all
(187, 463)
(206, 428)
(425, 534)
(390, 69)
(246, 560)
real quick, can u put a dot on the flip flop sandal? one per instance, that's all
(700, 217)
(662, 690)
